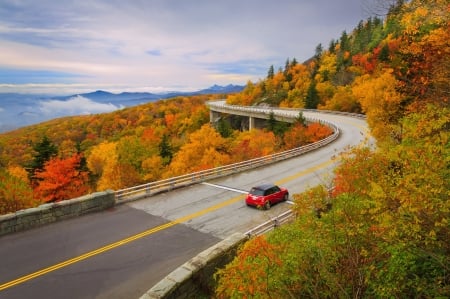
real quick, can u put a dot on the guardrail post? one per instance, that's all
(275, 223)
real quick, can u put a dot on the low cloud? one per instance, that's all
(77, 105)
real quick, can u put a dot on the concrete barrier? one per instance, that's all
(52, 212)
(197, 275)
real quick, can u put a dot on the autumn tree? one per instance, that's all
(15, 193)
(252, 144)
(205, 149)
(382, 103)
(251, 273)
(61, 179)
(342, 100)
(102, 161)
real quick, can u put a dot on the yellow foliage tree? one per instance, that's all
(342, 100)
(102, 162)
(381, 102)
(206, 148)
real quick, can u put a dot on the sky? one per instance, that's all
(73, 46)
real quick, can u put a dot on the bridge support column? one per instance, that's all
(251, 123)
(213, 116)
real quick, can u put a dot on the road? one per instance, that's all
(122, 252)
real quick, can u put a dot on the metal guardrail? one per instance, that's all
(271, 224)
(145, 190)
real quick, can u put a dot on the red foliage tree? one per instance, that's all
(61, 179)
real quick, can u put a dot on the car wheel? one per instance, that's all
(267, 205)
(286, 197)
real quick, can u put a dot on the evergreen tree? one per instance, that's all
(45, 150)
(165, 149)
(318, 52)
(224, 128)
(277, 127)
(301, 119)
(332, 46)
(271, 72)
(312, 97)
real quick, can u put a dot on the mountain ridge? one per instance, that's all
(19, 110)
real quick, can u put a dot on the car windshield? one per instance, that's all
(256, 191)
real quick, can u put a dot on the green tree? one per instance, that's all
(165, 150)
(44, 151)
(312, 97)
(224, 128)
(271, 72)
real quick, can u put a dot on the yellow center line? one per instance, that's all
(117, 244)
(151, 231)
(305, 172)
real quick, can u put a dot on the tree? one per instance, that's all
(224, 128)
(382, 103)
(44, 151)
(312, 98)
(250, 274)
(102, 161)
(60, 180)
(271, 72)
(277, 127)
(165, 150)
(15, 193)
(252, 144)
(342, 100)
(205, 149)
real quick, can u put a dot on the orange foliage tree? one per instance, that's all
(61, 179)
(252, 144)
(249, 275)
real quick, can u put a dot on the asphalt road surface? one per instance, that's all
(122, 252)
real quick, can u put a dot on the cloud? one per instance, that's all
(166, 42)
(77, 105)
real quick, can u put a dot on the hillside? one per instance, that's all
(18, 110)
(383, 232)
(67, 157)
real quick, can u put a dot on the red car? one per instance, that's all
(266, 195)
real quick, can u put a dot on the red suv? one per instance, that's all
(264, 196)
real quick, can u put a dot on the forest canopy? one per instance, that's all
(69, 157)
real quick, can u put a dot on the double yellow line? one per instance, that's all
(117, 244)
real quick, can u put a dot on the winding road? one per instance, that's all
(122, 252)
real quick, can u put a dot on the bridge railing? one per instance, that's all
(145, 190)
(280, 111)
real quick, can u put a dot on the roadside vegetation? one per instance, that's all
(383, 231)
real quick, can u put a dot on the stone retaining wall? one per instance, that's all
(52, 212)
(197, 275)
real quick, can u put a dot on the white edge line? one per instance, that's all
(226, 188)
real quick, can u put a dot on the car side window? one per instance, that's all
(271, 191)
(276, 189)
